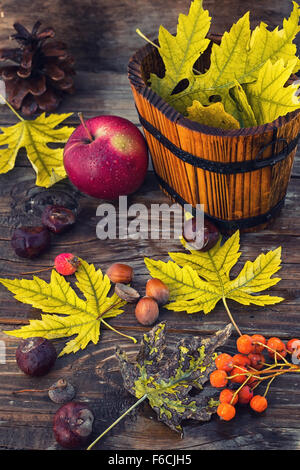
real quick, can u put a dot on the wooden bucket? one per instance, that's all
(240, 176)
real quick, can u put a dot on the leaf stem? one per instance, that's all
(230, 316)
(116, 331)
(117, 421)
(11, 108)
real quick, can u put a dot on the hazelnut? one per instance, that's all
(158, 290)
(147, 311)
(120, 273)
(126, 293)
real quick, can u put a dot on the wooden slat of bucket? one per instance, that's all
(227, 197)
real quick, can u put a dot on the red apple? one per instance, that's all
(106, 157)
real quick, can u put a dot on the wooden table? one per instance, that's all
(102, 37)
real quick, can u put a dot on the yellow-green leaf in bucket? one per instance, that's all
(213, 115)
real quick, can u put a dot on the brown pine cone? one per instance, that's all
(39, 72)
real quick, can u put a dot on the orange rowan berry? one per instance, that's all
(257, 360)
(226, 396)
(218, 378)
(259, 403)
(258, 348)
(226, 411)
(245, 394)
(224, 362)
(241, 360)
(244, 344)
(237, 375)
(277, 345)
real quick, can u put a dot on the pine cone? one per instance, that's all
(42, 71)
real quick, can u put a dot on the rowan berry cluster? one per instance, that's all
(240, 374)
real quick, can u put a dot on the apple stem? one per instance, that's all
(80, 115)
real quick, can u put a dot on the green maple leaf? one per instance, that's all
(34, 136)
(199, 280)
(70, 314)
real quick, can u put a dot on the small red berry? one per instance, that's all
(241, 360)
(258, 403)
(244, 344)
(245, 394)
(257, 360)
(237, 375)
(258, 348)
(226, 396)
(66, 264)
(226, 411)
(218, 378)
(224, 362)
(277, 345)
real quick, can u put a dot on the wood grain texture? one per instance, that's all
(101, 35)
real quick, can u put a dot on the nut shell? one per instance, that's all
(61, 391)
(120, 273)
(126, 293)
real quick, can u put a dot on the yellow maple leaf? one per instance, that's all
(70, 315)
(213, 115)
(237, 59)
(268, 96)
(34, 136)
(199, 280)
(180, 52)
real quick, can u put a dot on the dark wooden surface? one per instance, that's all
(101, 35)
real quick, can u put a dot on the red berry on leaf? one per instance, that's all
(66, 264)
(218, 378)
(226, 411)
(258, 403)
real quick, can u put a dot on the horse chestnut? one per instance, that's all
(29, 242)
(36, 356)
(73, 424)
(58, 219)
(200, 241)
